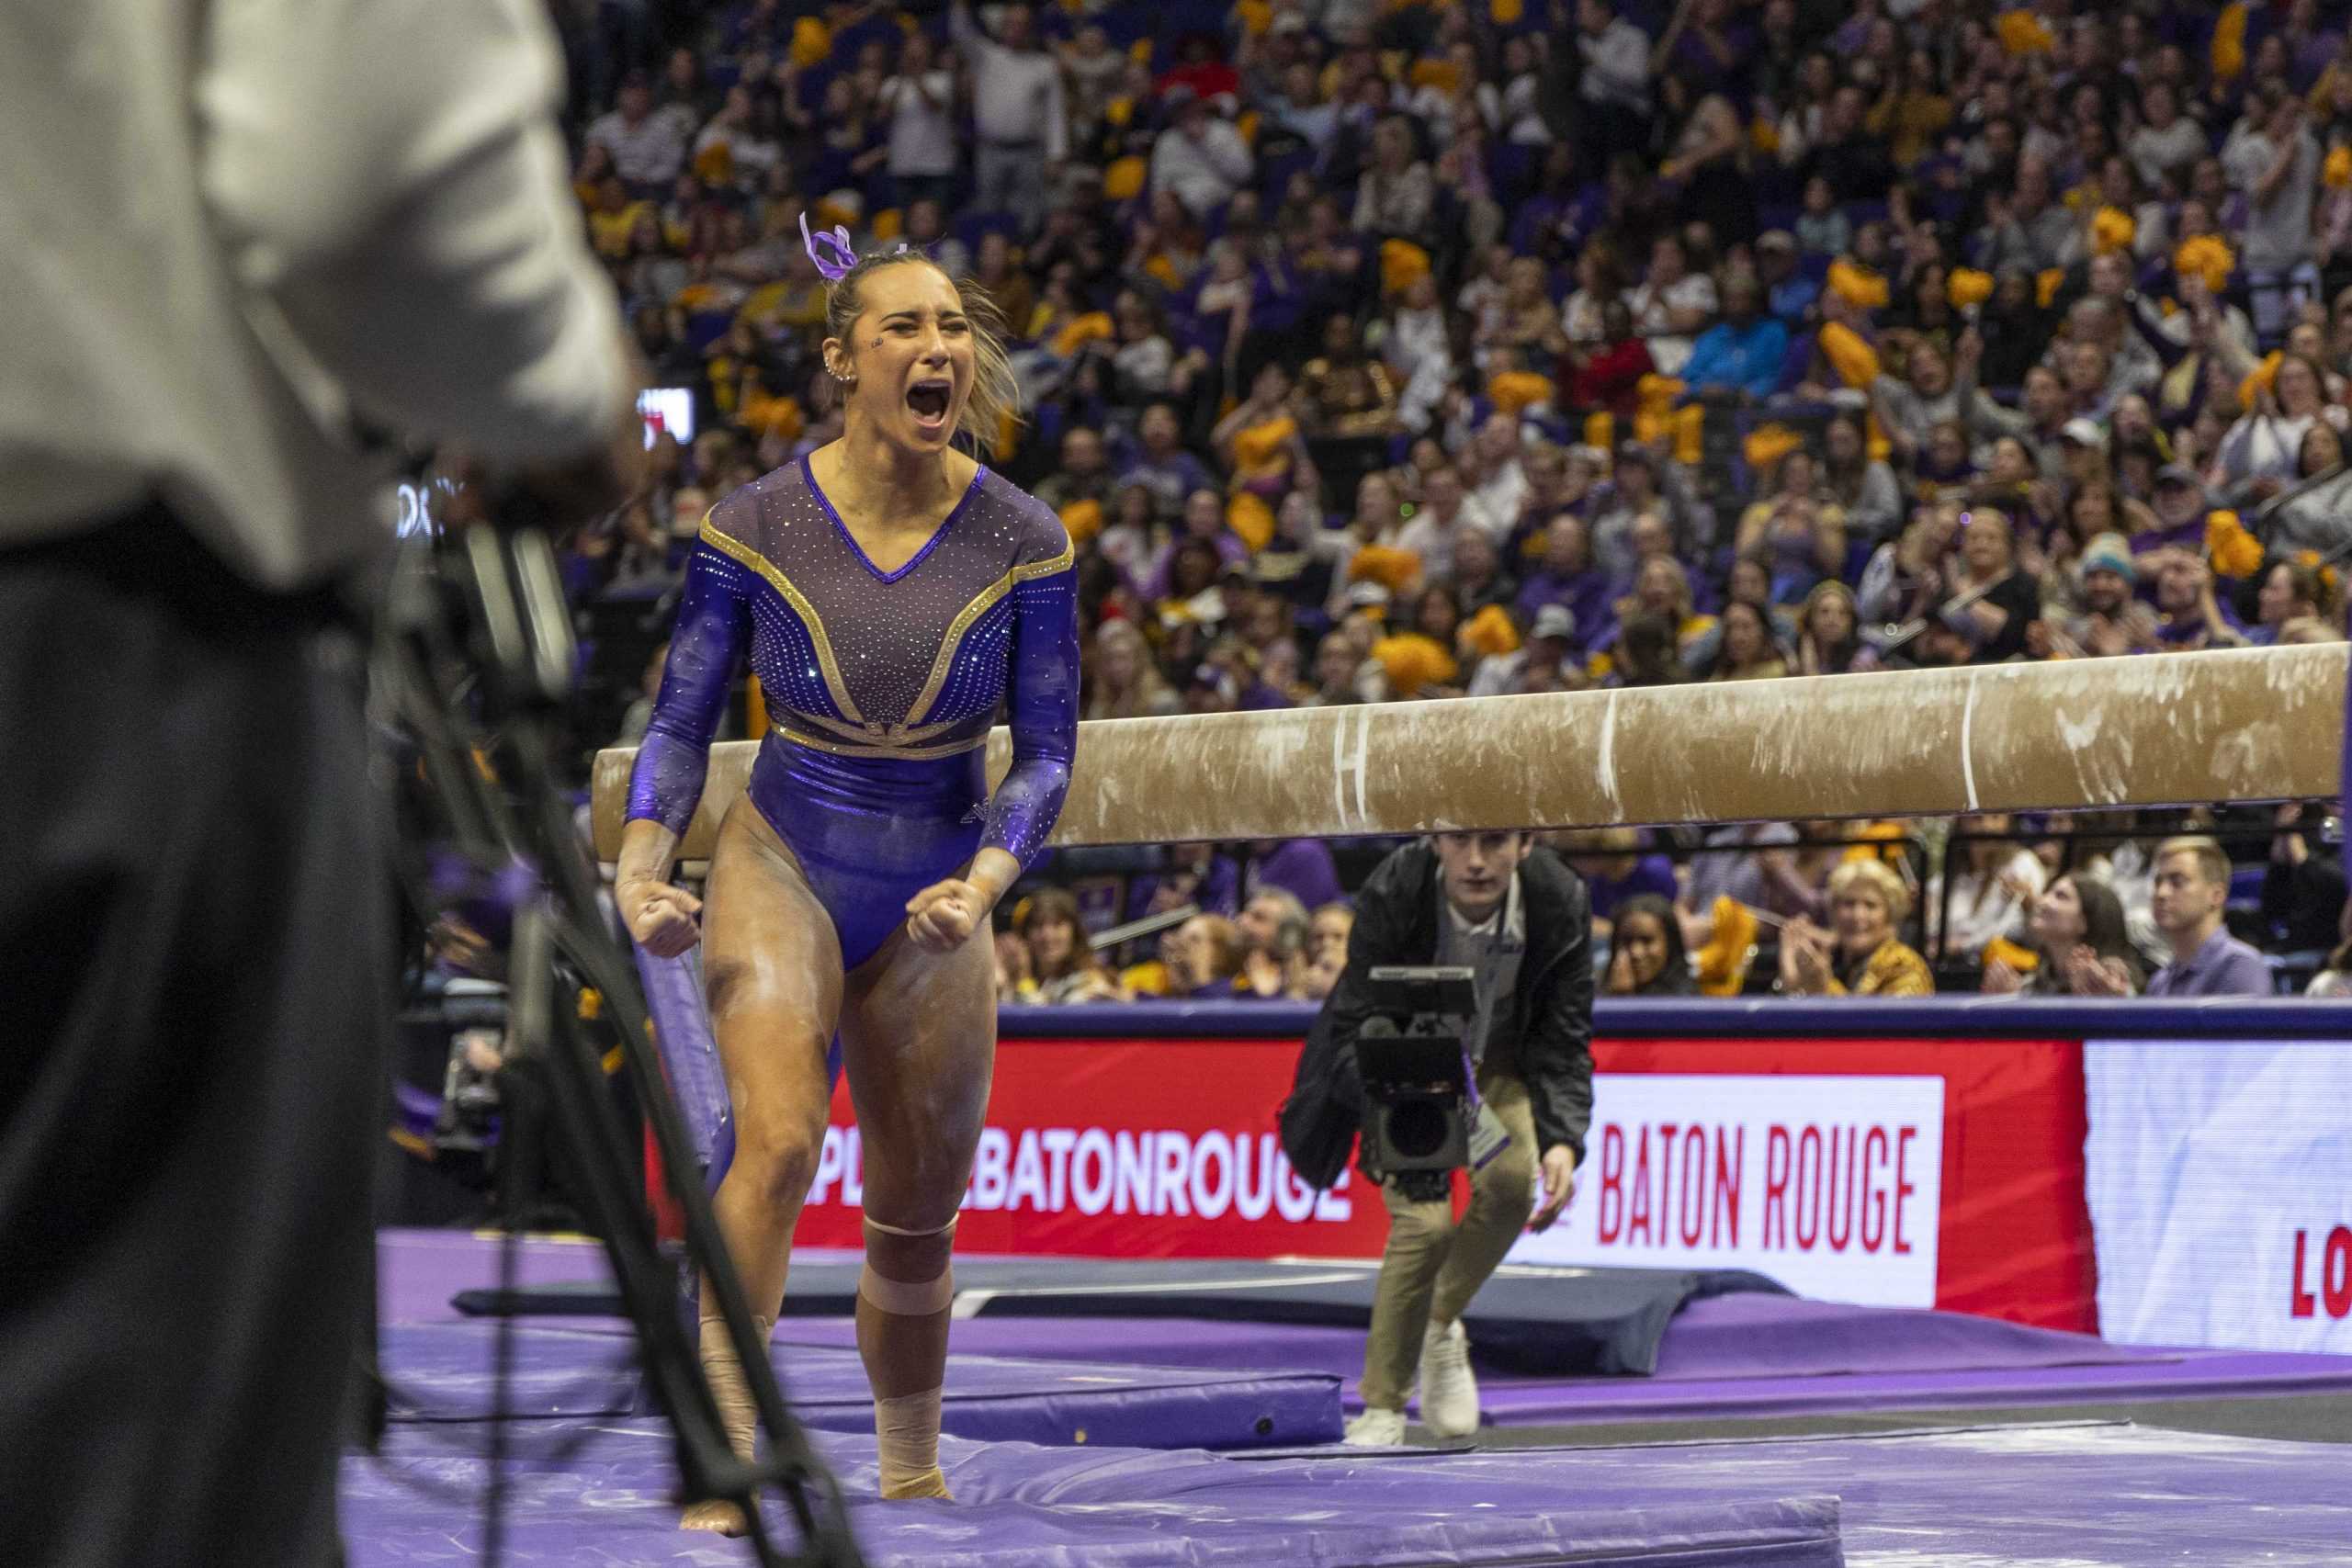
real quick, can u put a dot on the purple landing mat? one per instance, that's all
(1992, 1365)
(418, 1270)
(442, 1372)
(2086, 1496)
(2089, 1495)
(1750, 1335)
(1748, 1355)
(1744, 1335)
(588, 1491)
(2197, 1374)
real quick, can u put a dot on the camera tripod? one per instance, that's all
(476, 663)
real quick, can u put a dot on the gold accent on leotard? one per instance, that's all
(736, 549)
(953, 642)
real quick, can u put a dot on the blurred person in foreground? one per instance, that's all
(1516, 914)
(195, 980)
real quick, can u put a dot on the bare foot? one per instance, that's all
(717, 1516)
(929, 1484)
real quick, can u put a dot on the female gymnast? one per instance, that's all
(892, 592)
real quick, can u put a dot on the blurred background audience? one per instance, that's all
(1435, 348)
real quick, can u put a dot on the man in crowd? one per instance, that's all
(1738, 359)
(1017, 113)
(1615, 85)
(1547, 648)
(2113, 622)
(1201, 157)
(2191, 887)
(648, 147)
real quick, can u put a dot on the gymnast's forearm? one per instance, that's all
(1022, 816)
(649, 854)
(993, 871)
(1043, 700)
(707, 645)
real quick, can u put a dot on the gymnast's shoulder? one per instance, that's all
(1041, 544)
(744, 516)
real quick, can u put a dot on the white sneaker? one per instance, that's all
(1449, 1394)
(1376, 1429)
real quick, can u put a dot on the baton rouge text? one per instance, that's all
(1838, 1188)
(1091, 1170)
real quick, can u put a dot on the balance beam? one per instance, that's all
(2174, 729)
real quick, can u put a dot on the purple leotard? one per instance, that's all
(881, 688)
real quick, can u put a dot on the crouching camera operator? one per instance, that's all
(1472, 957)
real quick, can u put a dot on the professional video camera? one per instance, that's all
(1422, 1117)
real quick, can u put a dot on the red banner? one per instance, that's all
(1165, 1148)
(2014, 1234)
(1126, 1149)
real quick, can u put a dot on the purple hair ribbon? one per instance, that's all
(844, 250)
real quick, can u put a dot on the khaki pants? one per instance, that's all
(1433, 1265)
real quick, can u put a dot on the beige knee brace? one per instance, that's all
(905, 1298)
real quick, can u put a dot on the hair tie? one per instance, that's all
(844, 250)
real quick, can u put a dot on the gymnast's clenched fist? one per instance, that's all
(662, 917)
(942, 916)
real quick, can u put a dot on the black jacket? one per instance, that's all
(1545, 1039)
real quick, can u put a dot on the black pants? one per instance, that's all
(193, 989)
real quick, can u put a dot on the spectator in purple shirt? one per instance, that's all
(1195, 873)
(1203, 519)
(2192, 884)
(1567, 576)
(1163, 465)
(1301, 867)
(1614, 869)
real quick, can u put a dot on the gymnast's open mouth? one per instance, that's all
(929, 399)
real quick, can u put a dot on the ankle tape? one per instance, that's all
(906, 1435)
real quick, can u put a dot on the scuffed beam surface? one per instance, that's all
(2252, 724)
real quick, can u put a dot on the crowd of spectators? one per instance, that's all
(1408, 349)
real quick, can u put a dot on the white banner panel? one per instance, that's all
(2220, 1181)
(1831, 1185)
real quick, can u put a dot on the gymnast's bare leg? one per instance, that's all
(772, 967)
(919, 1045)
